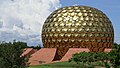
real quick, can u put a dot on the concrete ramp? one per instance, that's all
(44, 55)
(28, 52)
(107, 50)
(72, 51)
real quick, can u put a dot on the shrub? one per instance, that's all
(111, 59)
(115, 56)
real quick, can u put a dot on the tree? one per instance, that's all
(10, 55)
(19, 44)
(115, 56)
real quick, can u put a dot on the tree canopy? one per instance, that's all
(10, 55)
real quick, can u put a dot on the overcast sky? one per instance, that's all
(23, 19)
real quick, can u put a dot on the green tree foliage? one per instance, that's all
(10, 55)
(19, 44)
(115, 56)
(111, 59)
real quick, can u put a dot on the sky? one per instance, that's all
(23, 19)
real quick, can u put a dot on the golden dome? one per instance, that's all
(77, 27)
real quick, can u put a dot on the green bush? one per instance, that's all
(84, 58)
(111, 59)
(115, 56)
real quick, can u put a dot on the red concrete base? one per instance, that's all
(28, 52)
(107, 50)
(72, 51)
(44, 55)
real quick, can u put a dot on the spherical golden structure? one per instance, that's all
(77, 27)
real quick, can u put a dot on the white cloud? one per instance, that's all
(23, 19)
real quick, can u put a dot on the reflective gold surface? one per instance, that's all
(77, 27)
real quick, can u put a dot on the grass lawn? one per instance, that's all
(57, 65)
(65, 65)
